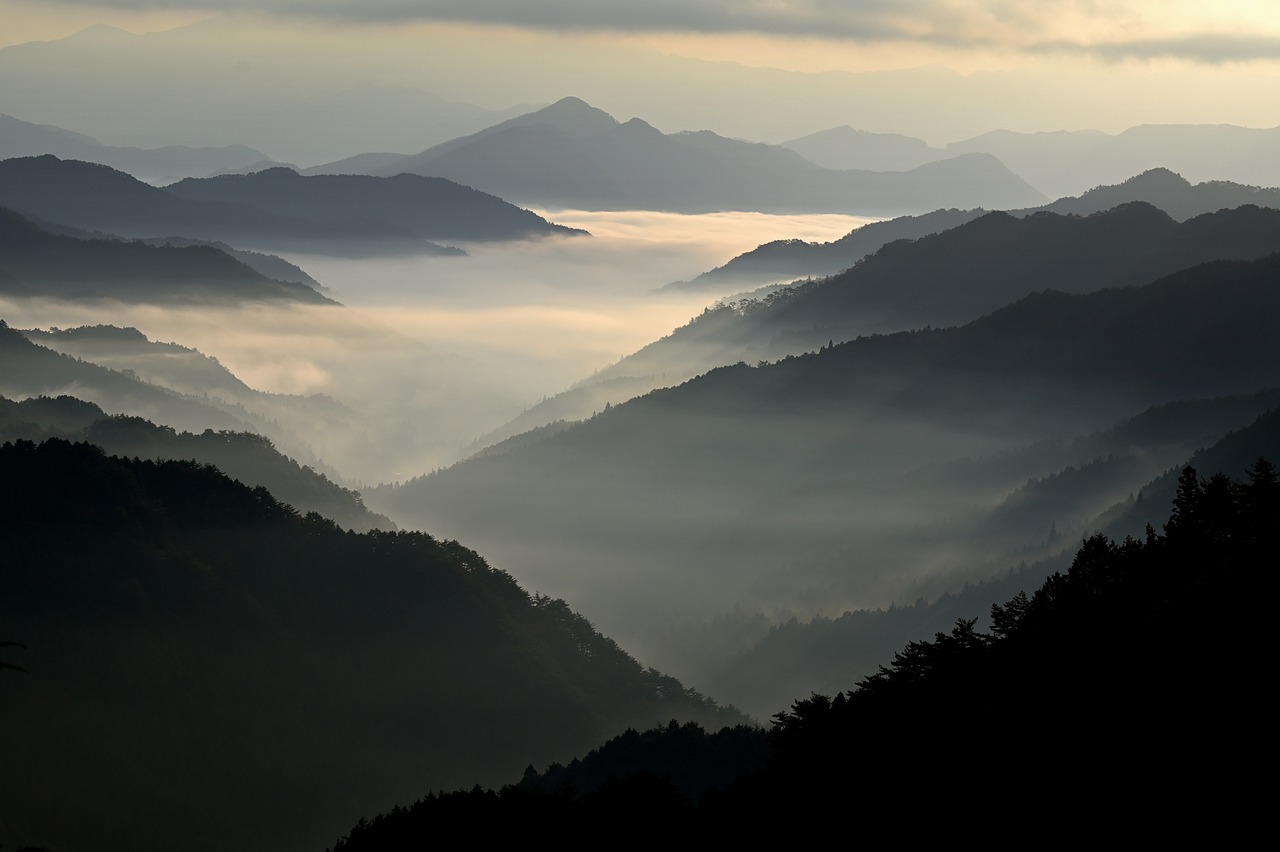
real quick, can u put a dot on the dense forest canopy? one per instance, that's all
(210, 667)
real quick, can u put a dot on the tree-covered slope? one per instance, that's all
(956, 276)
(791, 259)
(812, 482)
(210, 670)
(244, 456)
(1118, 697)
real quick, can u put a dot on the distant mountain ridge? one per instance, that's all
(40, 263)
(23, 139)
(573, 155)
(757, 478)
(788, 260)
(939, 279)
(431, 208)
(94, 197)
(1067, 163)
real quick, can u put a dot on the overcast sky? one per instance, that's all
(1225, 30)
(688, 64)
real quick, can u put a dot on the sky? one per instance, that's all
(700, 64)
(797, 34)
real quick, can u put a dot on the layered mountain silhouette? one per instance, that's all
(30, 370)
(1032, 694)
(1116, 481)
(98, 198)
(23, 139)
(848, 148)
(432, 208)
(787, 260)
(968, 270)
(1069, 162)
(783, 482)
(124, 372)
(41, 263)
(573, 155)
(939, 279)
(1169, 191)
(211, 669)
(244, 456)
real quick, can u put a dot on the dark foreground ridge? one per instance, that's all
(1120, 696)
(207, 669)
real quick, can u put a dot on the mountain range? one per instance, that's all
(97, 198)
(1069, 162)
(155, 165)
(244, 456)
(41, 263)
(432, 208)
(791, 483)
(571, 154)
(788, 260)
(939, 279)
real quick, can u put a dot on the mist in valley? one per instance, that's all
(606, 406)
(427, 354)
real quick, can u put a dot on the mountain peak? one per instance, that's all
(572, 111)
(1158, 177)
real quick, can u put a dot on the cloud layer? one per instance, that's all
(1108, 29)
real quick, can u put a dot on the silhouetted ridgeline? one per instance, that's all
(786, 260)
(97, 198)
(1120, 696)
(42, 263)
(211, 670)
(249, 458)
(956, 276)
(431, 207)
(24, 139)
(826, 653)
(571, 154)
(810, 480)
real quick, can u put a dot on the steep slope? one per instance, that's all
(210, 670)
(29, 370)
(45, 264)
(1120, 480)
(942, 278)
(574, 155)
(244, 456)
(432, 208)
(787, 260)
(957, 275)
(1065, 712)
(784, 484)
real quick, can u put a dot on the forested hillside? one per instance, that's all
(1118, 693)
(208, 669)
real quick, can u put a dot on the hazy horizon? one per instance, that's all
(940, 71)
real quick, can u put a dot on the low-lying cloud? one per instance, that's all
(427, 354)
